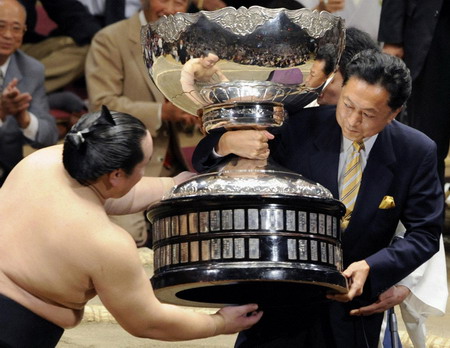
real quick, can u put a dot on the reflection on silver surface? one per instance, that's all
(243, 55)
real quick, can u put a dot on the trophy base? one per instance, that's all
(269, 285)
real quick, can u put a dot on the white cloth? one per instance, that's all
(428, 285)
(429, 292)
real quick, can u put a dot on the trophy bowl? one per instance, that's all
(240, 56)
(247, 231)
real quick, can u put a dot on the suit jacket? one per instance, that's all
(401, 164)
(117, 77)
(411, 23)
(72, 18)
(30, 74)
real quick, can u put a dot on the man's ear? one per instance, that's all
(394, 113)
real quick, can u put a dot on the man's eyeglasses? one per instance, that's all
(15, 29)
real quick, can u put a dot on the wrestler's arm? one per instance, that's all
(187, 81)
(123, 287)
(145, 192)
(187, 78)
(221, 76)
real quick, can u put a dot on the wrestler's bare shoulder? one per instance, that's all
(45, 156)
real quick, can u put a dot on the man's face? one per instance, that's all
(159, 8)
(12, 28)
(362, 109)
(331, 92)
(316, 75)
(210, 60)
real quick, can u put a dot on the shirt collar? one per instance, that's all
(142, 18)
(4, 67)
(368, 143)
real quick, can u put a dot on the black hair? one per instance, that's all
(101, 142)
(356, 41)
(391, 73)
(327, 53)
(206, 52)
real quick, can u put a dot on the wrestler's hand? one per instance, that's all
(236, 318)
(182, 177)
(394, 50)
(388, 299)
(172, 113)
(252, 144)
(356, 274)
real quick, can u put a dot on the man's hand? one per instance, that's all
(174, 114)
(15, 103)
(394, 50)
(233, 319)
(388, 299)
(252, 144)
(356, 274)
(211, 5)
(331, 5)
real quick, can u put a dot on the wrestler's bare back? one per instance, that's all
(52, 257)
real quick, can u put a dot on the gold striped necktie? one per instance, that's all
(351, 181)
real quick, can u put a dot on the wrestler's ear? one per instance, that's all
(116, 177)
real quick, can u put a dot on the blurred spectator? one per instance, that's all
(111, 11)
(64, 50)
(24, 111)
(117, 77)
(361, 14)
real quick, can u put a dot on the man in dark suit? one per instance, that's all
(24, 114)
(418, 31)
(399, 183)
(182, 52)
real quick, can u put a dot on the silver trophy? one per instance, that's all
(248, 231)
